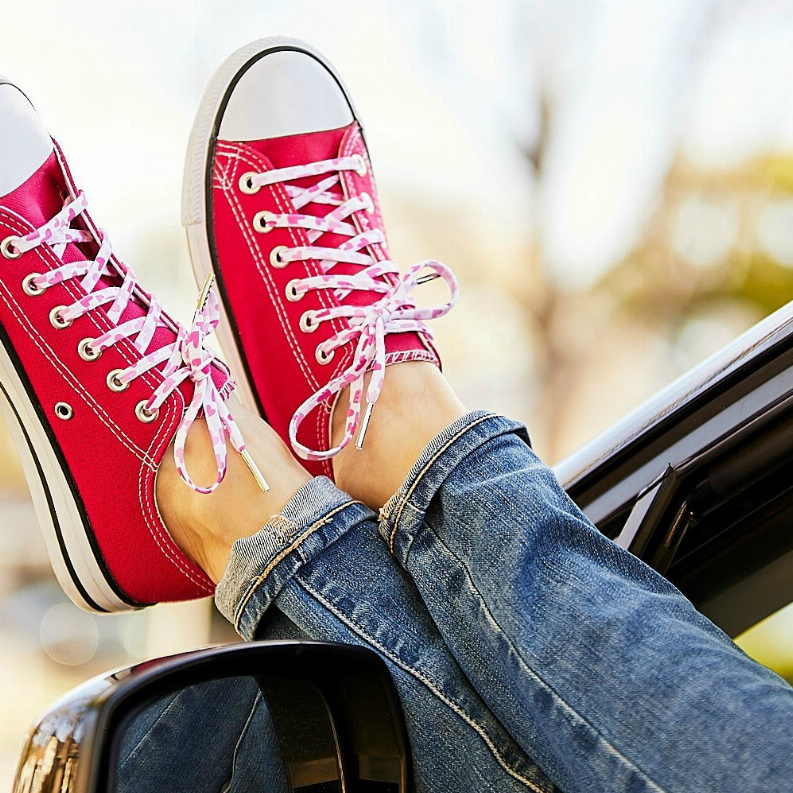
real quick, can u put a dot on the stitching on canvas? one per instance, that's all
(299, 239)
(155, 526)
(236, 208)
(98, 318)
(70, 380)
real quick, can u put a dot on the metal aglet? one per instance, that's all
(428, 277)
(254, 469)
(204, 294)
(364, 426)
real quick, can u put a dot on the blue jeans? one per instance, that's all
(216, 736)
(528, 650)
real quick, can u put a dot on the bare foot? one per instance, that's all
(206, 526)
(416, 403)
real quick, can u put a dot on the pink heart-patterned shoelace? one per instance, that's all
(187, 357)
(394, 312)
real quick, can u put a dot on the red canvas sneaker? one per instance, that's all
(97, 381)
(280, 204)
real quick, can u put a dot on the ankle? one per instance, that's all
(205, 526)
(416, 403)
(186, 514)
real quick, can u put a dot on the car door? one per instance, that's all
(698, 482)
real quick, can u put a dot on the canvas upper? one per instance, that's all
(273, 212)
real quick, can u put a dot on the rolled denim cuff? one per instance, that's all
(259, 567)
(403, 516)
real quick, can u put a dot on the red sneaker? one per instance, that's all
(280, 204)
(97, 381)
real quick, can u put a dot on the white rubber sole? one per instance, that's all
(65, 533)
(194, 194)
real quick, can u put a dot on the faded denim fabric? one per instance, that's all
(325, 567)
(215, 736)
(515, 630)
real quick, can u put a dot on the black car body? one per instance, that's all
(698, 482)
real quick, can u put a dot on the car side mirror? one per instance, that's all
(270, 716)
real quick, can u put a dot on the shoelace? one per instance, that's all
(186, 358)
(394, 312)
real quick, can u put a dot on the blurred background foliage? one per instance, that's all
(612, 182)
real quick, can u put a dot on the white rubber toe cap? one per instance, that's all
(287, 92)
(24, 142)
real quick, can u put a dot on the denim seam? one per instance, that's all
(288, 528)
(243, 734)
(424, 470)
(131, 754)
(385, 511)
(461, 712)
(570, 712)
(323, 521)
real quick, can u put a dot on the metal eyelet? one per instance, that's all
(369, 208)
(6, 248)
(361, 170)
(307, 322)
(29, 286)
(263, 222)
(86, 351)
(144, 414)
(113, 383)
(324, 357)
(292, 295)
(275, 257)
(63, 411)
(246, 183)
(56, 320)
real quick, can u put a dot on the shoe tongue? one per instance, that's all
(41, 196)
(38, 200)
(301, 149)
